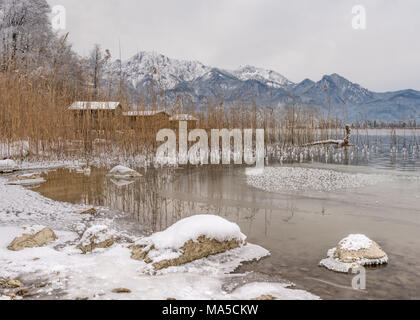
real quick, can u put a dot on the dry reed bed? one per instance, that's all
(35, 122)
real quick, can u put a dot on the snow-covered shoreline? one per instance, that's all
(59, 270)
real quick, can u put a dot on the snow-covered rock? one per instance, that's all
(7, 166)
(124, 172)
(36, 236)
(96, 237)
(354, 251)
(188, 240)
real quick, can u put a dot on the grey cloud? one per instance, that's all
(300, 38)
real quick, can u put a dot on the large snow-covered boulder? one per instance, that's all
(354, 251)
(188, 240)
(96, 237)
(123, 172)
(35, 236)
(7, 166)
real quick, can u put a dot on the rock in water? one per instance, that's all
(96, 237)
(188, 240)
(34, 239)
(124, 172)
(7, 166)
(354, 251)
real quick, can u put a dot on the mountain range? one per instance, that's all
(197, 83)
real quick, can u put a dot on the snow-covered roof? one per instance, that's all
(94, 105)
(143, 113)
(183, 117)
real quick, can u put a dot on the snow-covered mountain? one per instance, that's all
(197, 83)
(169, 73)
(344, 98)
(145, 66)
(268, 77)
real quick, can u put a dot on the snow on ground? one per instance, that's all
(100, 233)
(275, 179)
(7, 165)
(59, 271)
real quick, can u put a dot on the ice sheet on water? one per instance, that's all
(276, 179)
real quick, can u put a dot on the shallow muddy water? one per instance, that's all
(298, 227)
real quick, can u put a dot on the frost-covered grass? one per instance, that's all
(59, 270)
(275, 179)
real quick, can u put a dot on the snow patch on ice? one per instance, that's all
(276, 179)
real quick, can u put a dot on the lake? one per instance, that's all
(296, 226)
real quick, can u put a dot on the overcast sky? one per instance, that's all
(299, 39)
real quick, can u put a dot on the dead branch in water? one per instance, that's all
(340, 143)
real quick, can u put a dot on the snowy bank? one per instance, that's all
(26, 179)
(7, 166)
(354, 251)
